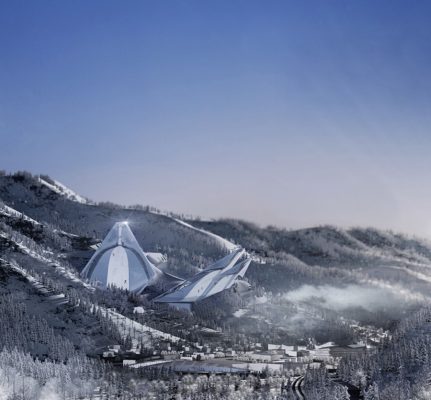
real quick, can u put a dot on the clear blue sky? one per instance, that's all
(292, 113)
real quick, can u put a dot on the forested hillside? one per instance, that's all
(306, 286)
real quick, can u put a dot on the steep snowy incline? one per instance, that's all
(57, 298)
(11, 212)
(29, 247)
(222, 241)
(63, 190)
(139, 331)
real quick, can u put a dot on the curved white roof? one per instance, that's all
(121, 262)
(215, 278)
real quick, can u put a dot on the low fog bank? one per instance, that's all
(354, 296)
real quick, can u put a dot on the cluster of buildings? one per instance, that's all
(272, 357)
(373, 336)
(278, 357)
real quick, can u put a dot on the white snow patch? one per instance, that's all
(415, 274)
(239, 313)
(149, 363)
(261, 300)
(11, 212)
(64, 233)
(26, 250)
(63, 190)
(58, 298)
(222, 241)
(47, 260)
(73, 277)
(137, 331)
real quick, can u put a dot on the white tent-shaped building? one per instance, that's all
(120, 262)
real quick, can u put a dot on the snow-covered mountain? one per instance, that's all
(283, 259)
(316, 282)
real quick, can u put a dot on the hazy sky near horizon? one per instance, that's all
(293, 113)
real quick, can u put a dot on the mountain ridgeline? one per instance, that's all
(308, 285)
(323, 254)
(55, 219)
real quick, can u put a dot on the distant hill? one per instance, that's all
(296, 275)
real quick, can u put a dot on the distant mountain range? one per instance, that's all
(42, 222)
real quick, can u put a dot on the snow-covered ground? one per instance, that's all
(63, 190)
(47, 259)
(70, 235)
(73, 277)
(239, 313)
(126, 326)
(44, 258)
(149, 363)
(261, 300)
(58, 298)
(11, 212)
(228, 245)
(222, 241)
(137, 331)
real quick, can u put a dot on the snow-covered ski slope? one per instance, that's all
(63, 190)
(138, 331)
(46, 257)
(11, 212)
(222, 241)
(57, 298)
